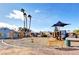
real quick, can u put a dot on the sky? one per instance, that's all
(44, 15)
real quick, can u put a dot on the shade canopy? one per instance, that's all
(60, 24)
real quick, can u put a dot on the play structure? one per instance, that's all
(60, 34)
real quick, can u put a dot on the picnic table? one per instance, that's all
(68, 41)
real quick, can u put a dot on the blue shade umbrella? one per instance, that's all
(60, 24)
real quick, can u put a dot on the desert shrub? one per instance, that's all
(44, 35)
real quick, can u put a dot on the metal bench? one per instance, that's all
(68, 41)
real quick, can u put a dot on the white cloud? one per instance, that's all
(37, 11)
(16, 14)
(8, 26)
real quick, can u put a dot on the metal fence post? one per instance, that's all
(67, 43)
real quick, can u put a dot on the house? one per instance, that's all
(8, 33)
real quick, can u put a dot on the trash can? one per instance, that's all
(67, 43)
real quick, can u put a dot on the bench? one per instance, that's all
(68, 41)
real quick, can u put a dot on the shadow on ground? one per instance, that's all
(67, 49)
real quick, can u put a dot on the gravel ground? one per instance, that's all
(40, 51)
(26, 42)
(39, 47)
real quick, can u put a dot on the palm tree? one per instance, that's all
(25, 17)
(25, 21)
(22, 10)
(30, 21)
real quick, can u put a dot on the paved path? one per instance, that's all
(3, 45)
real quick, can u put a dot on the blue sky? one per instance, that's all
(43, 15)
